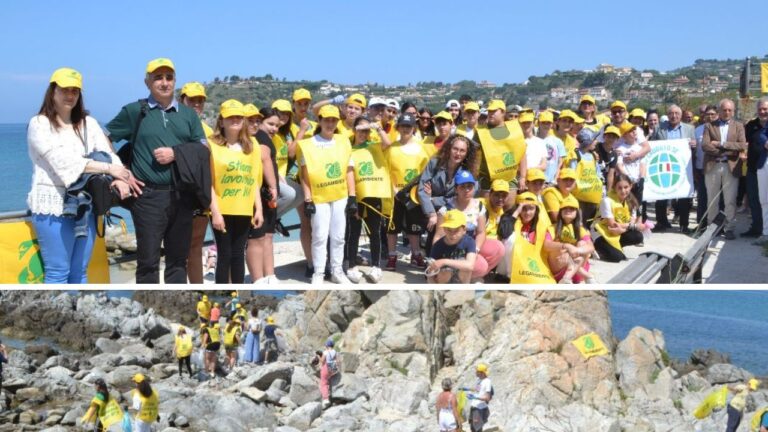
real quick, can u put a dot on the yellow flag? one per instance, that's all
(21, 262)
(590, 345)
(764, 77)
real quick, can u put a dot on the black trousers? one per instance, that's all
(682, 208)
(185, 360)
(230, 264)
(162, 218)
(611, 254)
(372, 219)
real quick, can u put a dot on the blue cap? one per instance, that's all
(329, 343)
(463, 176)
(585, 137)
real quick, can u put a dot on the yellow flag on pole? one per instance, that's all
(590, 345)
(764, 77)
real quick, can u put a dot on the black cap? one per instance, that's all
(407, 120)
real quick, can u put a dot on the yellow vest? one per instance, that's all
(463, 129)
(183, 345)
(566, 235)
(429, 146)
(503, 155)
(236, 179)
(492, 220)
(311, 131)
(204, 309)
(213, 334)
(589, 188)
(404, 167)
(552, 198)
(570, 144)
(206, 129)
(281, 154)
(371, 173)
(230, 333)
(621, 214)
(109, 413)
(327, 168)
(347, 132)
(528, 266)
(150, 407)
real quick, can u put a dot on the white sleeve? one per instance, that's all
(136, 401)
(485, 387)
(98, 141)
(605, 209)
(44, 142)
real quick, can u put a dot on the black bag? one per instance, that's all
(404, 194)
(103, 196)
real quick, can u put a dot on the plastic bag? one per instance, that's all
(127, 424)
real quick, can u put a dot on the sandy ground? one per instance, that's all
(727, 262)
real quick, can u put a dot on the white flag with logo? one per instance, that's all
(670, 171)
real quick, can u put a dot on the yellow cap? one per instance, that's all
(526, 110)
(578, 119)
(754, 384)
(445, 115)
(612, 130)
(526, 198)
(569, 201)
(618, 104)
(193, 89)
(482, 368)
(234, 294)
(546, 116)
(216, 304)
(496, 104)
(138, 378)
(250, 110)
(231, 107)
(587, 98)
(205, 298)
(66, 77)
(357, 99)
(329, 111)
(270, 320)
(637, 112)
(282, 105)
(471, 106)
(568, 114)
(534, 174)
(500, 185)
(153, 65)
(239, 306)
(567, 173)
(696, 119)
(454, 219)
(626, 127)
(525, 117)
(300, 94)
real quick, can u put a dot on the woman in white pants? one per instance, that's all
(328, 192)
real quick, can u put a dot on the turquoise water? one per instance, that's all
(16, 178)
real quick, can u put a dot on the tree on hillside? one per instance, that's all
(234, 79)
(595, 79)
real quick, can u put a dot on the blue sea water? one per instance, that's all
(16, 178)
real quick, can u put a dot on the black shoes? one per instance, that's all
(751, 233)
(730, 235)
(280, 229)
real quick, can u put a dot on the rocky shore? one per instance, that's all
(395, 347)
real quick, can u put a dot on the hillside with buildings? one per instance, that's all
(705, 80)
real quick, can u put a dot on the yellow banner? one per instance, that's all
(21, 262)
(590, 345)
(764, 77)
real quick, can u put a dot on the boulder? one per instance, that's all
(304, 387)
(350, 388)
(142, 354)
(106, 345)
(217, 412)
(398, 395)
(639, 357)
(31, 394)
(106, 361)
(263, 376)
(301, 418)
(725, 373)
(709, 357)
(254, 394)
(122, 376)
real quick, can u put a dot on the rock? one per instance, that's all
(123, 375)
(350, 388)
(181, 421)
(106, 361)
(287, 429)
(39, 353)
(639, 357)
(217, 412)
(57, 428)
(398, 394)
(106, 345)
(304, 387)
(59, 373)
(53, 419)
(709, 357)
(349, 362)
(61, 360)
(456, 298)
(29, 417)
(263, 376)
(254, 394)
(21, 360)
(14, 384)
(143, 355)
(70, 418)
(726, 373)
(32, 394)
(302, 417)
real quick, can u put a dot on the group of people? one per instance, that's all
(450, 415)
(480, 194)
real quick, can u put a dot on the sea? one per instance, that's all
(732, 322)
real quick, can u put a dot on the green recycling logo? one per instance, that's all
(508, 159)
(284, 150)
(533, 265)
(366, 169)
(33, 270)
(332, 170)
(589, 343)
(665, 171)
(410, 174)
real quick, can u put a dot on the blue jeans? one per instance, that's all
(252, 353)
(65, 257)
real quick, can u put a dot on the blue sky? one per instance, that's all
(394, 42)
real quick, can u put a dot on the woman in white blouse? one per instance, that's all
(60, 137)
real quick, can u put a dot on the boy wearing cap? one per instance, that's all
(454, 254)
(619, 117)
(453, 107)
(606, 154)
(555, 147)
(471, 117)
(587, 110)
(481, 395)
(553, 196)
(634, 168)
(160, 214)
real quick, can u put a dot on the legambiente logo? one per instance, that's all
(665, 171)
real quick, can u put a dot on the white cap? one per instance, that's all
(393, 104)
(453, 103)
(376, 101)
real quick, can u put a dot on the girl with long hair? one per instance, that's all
(569, 246)
(618, 224)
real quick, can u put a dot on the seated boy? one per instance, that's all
(454, 254)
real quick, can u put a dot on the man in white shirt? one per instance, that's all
(536, 148)
(481, 395)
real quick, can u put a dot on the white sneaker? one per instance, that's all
(590, 280)
(354, 275)
(318, 278)
(338, 277)
(262, 281)
(374, 275)
(272, 280)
